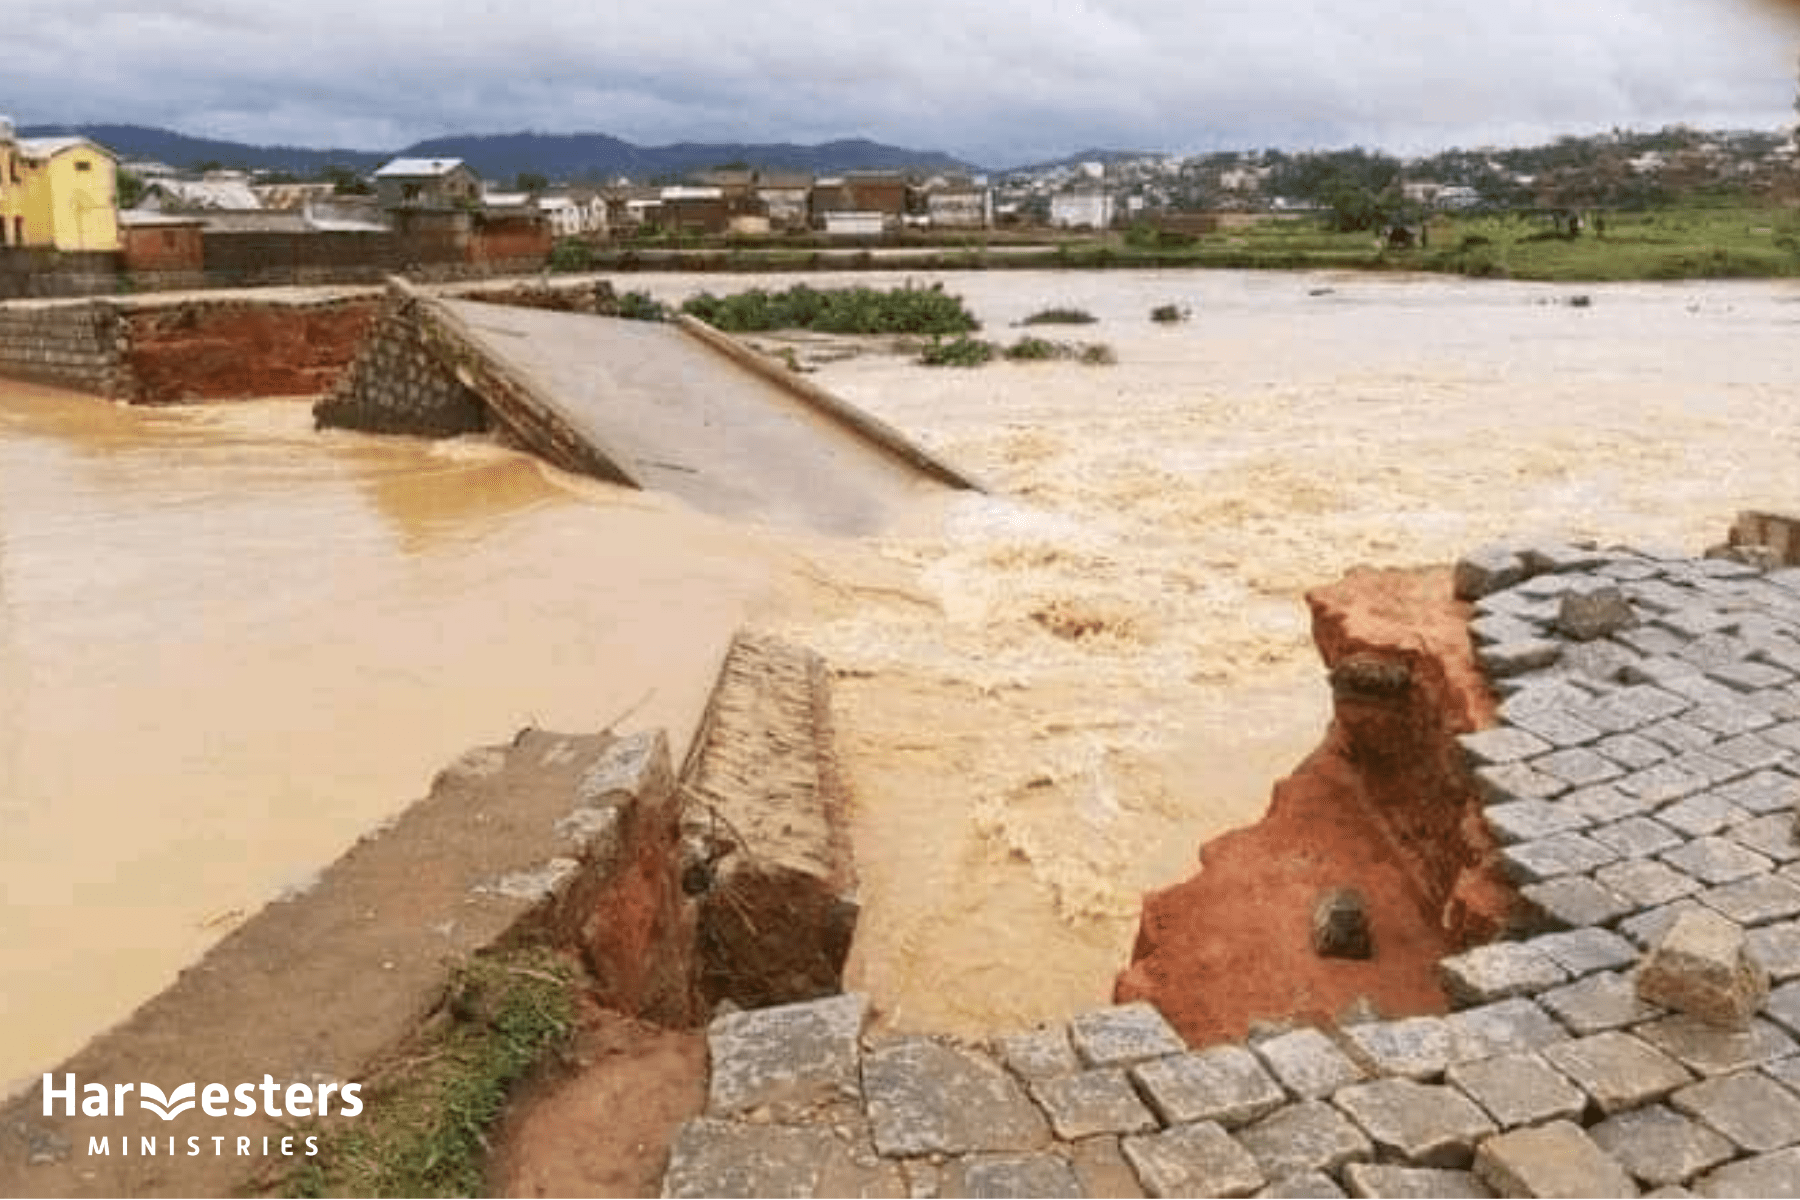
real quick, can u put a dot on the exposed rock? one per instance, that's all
(1340, 925)
(1703, 966)
(1557, 1159)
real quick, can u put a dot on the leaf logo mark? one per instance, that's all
(163, 1106)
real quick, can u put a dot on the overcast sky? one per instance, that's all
(997, 82)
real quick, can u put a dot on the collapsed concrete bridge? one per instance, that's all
(676, 407)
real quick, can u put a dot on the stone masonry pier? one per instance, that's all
(1641, 780)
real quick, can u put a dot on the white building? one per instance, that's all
(1081, 210)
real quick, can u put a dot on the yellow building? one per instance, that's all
(57, 192)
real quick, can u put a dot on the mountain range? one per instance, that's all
(503, 157)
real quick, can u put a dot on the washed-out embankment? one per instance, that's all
(730, 880)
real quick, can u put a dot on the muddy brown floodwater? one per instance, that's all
(228, 644)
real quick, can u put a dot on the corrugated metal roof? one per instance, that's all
(431, 168)
(51, 146)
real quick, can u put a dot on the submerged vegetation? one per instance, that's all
(966, 351)
(1060, 316)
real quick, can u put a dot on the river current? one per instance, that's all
(229, 645)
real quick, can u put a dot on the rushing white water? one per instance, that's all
(228, 644)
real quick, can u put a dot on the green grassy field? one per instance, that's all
(1688, 241)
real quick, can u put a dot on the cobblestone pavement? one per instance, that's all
(1644, 768)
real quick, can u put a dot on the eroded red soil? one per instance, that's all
(1385, 805)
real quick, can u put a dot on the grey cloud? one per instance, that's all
(1004, 81)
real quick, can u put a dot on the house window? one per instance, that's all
(82, 164)
(18, 231)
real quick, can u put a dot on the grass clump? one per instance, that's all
(1060, 316)
(961, 351)
(1098, 354)
(857, 310)
(1168, 314)
(571, 254)
(1028, 349)
(642, 306)
(425, 1119)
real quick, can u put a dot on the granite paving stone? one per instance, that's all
(1661, 783)
(1309, 1136)
(1411, 1183)
(1427, 1125)
(1092, 1102)
(1617, 1070)
(1604, 803)
(1537, 693)
(1496, 971)
(1785, 733)
(1636, 837)
(1702, 966)
(1771, 836)
(1714, 860)
(1041, 1053)
(924, 1097)
(1574, 901)
(1559, 558)
(1645, 883)
(1582, 951)
(1200, 1159)
(1712, 1050)
(1783, 1006)
(1650, 640)
(1688, 619)
(1556, 725)
(1306, 1183)
(1518, 1089)
(1505, 1026)
(1307, 1063)
(1763, 792)
(1728, 718)
(1764, 1175)
(1503, 627)
(1100, 1164)
(1526, 820)
(1631, 751)
(1750, 751)
(1577, 766)
(1647, 928)
(1599, 662)
(1758, 900)
(1751, 1109)
(1502, 744)
(1785, 1071)
(1743, 675)
(1020, 1175)
(723, 1158)
(1777, 948)
(1516, 781)
(1515, 658)
(1701, 814)
(1600, 1002)
(1678, 735)
(1224, 1084)
(788, 1057)
(1122, 1034)
(1412, 1047)
(1548, 857)
(1557, 1159)
(1713, 650)
(1486, 570)
(1660, 1146)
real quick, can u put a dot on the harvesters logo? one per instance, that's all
(268, 1098)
